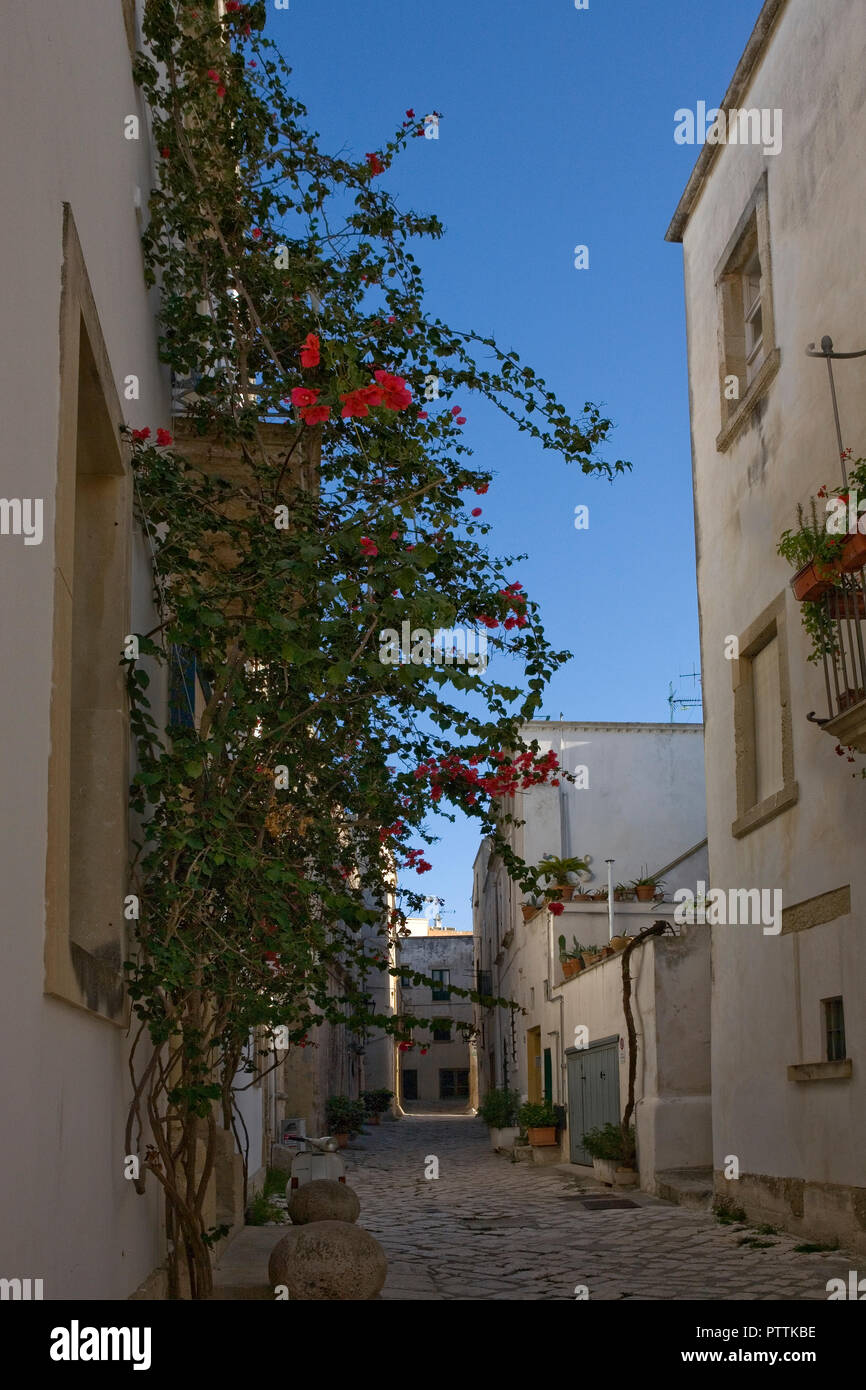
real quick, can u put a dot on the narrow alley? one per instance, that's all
(487, 1228)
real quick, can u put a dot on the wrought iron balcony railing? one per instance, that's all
(844, 658)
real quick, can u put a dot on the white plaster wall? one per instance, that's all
(67, 1216)
(767, 990)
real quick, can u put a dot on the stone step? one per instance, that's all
(688, 1187)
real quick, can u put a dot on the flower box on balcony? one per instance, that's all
(853, 553)
(848, 727)
(813, 581)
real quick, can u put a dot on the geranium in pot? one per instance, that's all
(613, 1154)
(376, 1102)
(814, 552)
(539, 1121)
(499, 1110)
(344, 1117)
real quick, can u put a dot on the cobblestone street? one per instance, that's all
(488, 1228)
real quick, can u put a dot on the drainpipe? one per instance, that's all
(551, 998)
(610, 863)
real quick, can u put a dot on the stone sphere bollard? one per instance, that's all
(323, 1200)
(334, 1260)
(280, 1255)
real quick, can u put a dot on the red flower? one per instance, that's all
(310, 351)
(555, 908)
(369, 547)
(257, 232)
(423, 1051)
(232, 6)
(315, 414)
(476, 511)
(354, 406)
(455, 410)
(221, 91)
(141, 434)
(411, 114)
(461, 419)
(395, 535)
(375, 163)
(163, 438)
(396, 393)
(213, 74)
(165, 152)
(422, 414)
(304, 396)
(483, 488)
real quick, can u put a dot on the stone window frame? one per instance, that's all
(73, 972)
(129, 21)
(768, 625)
(751, 234)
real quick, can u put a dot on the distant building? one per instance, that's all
(436, 1067)
(638, 799)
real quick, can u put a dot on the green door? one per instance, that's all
(548, 1076)
(593, 1092)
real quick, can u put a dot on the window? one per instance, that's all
(442, 1033)
(834, 1029)
(87, 865)
(454, 1084)
(441, 985)
(484, 983)
(410, 1083)
(763, 736)
(749, 358)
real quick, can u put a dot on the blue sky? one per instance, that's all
(557, 130)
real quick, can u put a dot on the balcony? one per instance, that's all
(844, 661)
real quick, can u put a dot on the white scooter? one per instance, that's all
(319, 1159)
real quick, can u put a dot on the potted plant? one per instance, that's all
(564, 874)
(571, 961)
(618, 943)
(534, 903)
(498, 1110)
(344, 1117)
(376, 1102)
(623, 893)
(814, 552)
(648, 886)
(613, 1155)
(539, 1121)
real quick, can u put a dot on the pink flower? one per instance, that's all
(369, 547)
(461, 419)
(163, 438)
(395, 535)
(213, 74)
(455, 410)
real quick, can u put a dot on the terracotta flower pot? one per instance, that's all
(812, 582)
(542, 1137)
(566, 892)
(619, 943)
(572, 967)
(645, 892)
(853, 553)
(529, 911)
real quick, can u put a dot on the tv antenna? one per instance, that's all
(677, 701)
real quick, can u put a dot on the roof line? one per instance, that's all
(739, 85)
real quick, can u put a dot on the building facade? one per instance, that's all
(772, 249)
(436, 1066)
(638, 800)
